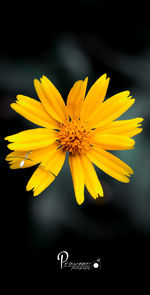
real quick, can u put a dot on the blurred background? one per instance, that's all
(68, 43)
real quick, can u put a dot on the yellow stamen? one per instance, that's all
(75, 136)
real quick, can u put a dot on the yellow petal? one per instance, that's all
(108, 164)
(45, 156)
(21, 164)
(113, 142)
(111, 109)
(14, 155)
(122, 127)
(75, 98)
(134, 132)
(90, 178)
(116, 163)
(51, 165)
(34, 111)
(77, 177)
(40, 180)
(54, 160)
(19, 159)
(94, 97)
(51, 99)
(31, 139)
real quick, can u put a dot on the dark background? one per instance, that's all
(67, 43)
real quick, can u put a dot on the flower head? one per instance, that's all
(86, 128)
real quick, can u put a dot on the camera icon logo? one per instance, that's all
(97, 264)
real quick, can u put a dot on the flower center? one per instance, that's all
(75, 137)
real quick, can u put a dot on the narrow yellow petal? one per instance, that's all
(90, 178)
(48, 169)
(113, 142)
(53, 94)
(133, 132)
(75, 98)
(15, 154)
(107, 165)
(54, 160)
(31, 139)
(19, 159)
(94, 97)
(25, 164)
(111, 109)
(49, 157)
(44, 155)
(120, 127)
(131, 122)
(40, 180)
(77, 177)
(49, 101)
(33, 111)
(115, 162)
(116, 113)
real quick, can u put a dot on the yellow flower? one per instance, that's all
(86, 127)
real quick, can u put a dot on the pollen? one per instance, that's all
(75, 137)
